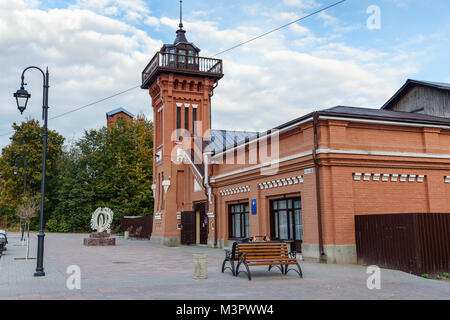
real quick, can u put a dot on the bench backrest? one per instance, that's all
(263, 250)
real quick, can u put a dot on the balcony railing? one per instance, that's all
(181, 63)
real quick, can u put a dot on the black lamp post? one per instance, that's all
(22, 97)
(15, 171)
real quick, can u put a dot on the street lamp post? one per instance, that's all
(16, 170)
(22, 97)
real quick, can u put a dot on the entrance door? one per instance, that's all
(188, 227)
(201, 223)
(286, 221)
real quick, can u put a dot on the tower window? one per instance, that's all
(190, 56)
(194, 120)
(171, 55)
(178, 121)
(186, 119)
(181, 57)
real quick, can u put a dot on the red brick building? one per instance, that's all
(303, 181)
(116, 114)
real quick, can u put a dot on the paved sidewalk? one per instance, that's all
(139, 270)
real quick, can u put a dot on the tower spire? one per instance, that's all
(181, 15)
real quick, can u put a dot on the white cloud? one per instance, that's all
(90, 56)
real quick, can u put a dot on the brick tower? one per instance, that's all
(180, 84)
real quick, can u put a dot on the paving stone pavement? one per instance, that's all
(136, 269)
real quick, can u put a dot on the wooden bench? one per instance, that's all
(259, 254)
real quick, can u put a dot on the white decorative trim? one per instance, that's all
(241, 189)
(178, 215)
(447, 179)
(186, 105)
(284, 182)
(393, 177)
(166, 185)
(153, 189)
(195, 106)
(357, 176)
(179, 104)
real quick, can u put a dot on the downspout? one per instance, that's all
(210, 188)
(209, 193)
(316, 170)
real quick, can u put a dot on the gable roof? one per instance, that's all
(119, 110)
(410, 83)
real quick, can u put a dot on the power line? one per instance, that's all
(95, 102)
(83, 107)
(281, 27)
(219, 53)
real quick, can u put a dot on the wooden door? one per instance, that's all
(201, 209)
(187, 227)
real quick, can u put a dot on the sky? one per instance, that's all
(97, 48)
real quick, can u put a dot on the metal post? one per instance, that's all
(40, 254)
(24, 94)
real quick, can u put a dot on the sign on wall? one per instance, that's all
(254, 206)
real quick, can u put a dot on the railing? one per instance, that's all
(182, 62)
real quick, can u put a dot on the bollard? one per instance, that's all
(200, 268)
(126, 235)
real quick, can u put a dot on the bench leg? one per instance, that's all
(300, 273)
(231, 264)
(279, 267)
(246, 267)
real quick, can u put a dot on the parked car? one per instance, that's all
(3, 241)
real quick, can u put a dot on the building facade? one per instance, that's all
(424, 97)
(303, 181)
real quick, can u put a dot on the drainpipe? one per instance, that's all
(209, 193)
(316, 170)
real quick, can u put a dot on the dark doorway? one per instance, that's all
(188, 227)
(201, 223)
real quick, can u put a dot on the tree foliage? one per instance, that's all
(109, 167)
(26, 142)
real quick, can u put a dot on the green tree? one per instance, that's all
(105, 168)
(27, 142)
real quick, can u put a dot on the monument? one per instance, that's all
(101, 223)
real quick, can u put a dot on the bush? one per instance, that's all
(52, 225)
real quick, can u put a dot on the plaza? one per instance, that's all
(139, 269)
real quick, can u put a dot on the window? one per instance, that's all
(178, 122)
(286, 219)
(190, 56)
(181, 57)
(171, 55)
(194, 120)
(186, 119)
(239, 220)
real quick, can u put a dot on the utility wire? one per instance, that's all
(219, 53)
(92, 103)
(281, 27)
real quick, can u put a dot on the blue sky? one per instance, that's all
(95, 48)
